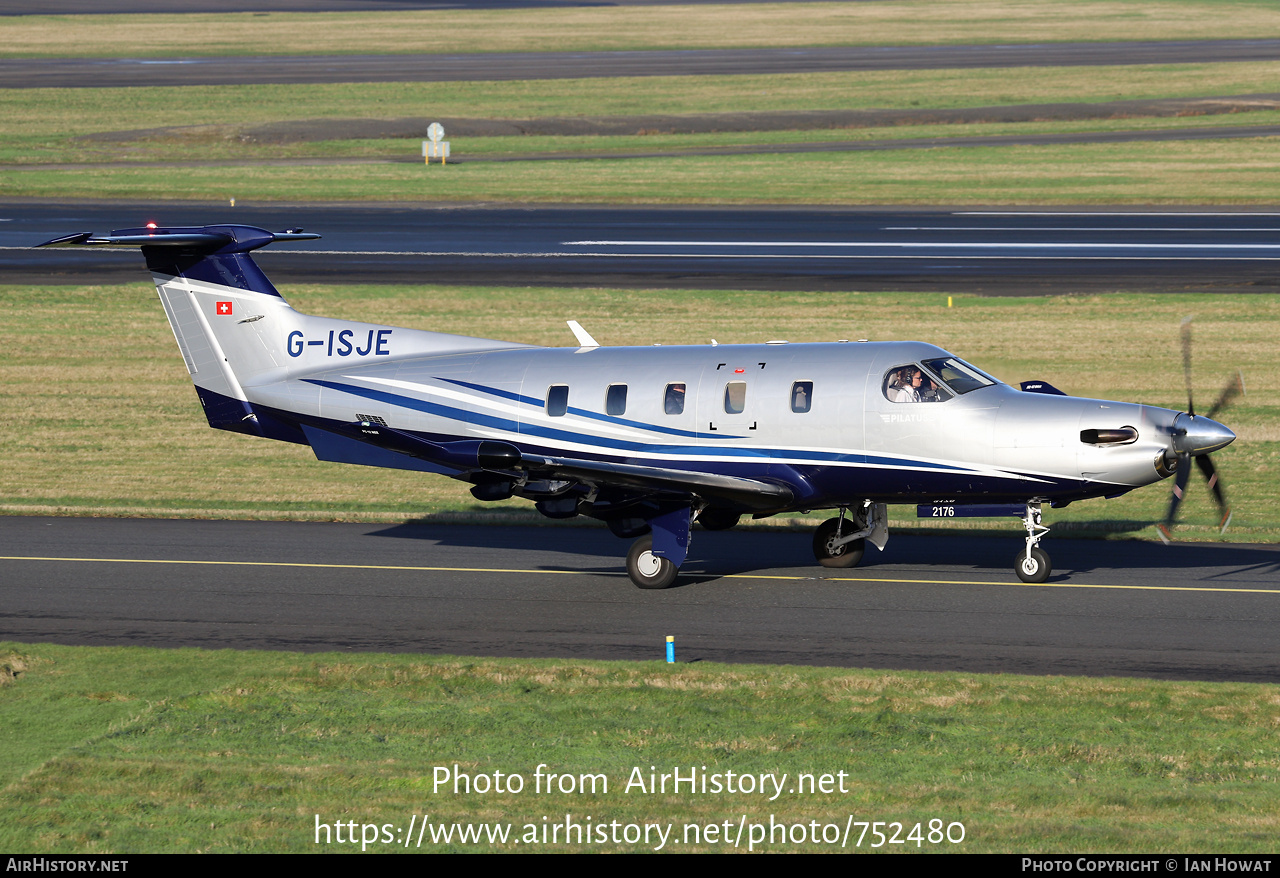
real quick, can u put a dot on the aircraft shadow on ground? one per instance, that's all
(727, 553)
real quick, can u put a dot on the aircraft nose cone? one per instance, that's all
(1199, 435)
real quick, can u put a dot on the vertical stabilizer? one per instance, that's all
(209, 285)
(236, 332)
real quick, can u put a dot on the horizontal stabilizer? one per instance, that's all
(210, 239)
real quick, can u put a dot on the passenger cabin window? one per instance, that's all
(801, 396)
(910, 383)
(615, 400)
(735, 397)
(557, 400)
(673, 400)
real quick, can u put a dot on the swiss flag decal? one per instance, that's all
(224, 308)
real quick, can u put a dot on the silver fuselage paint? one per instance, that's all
(852, 443)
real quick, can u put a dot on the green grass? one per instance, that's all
(907, 22)
(117, 750)
(47, 128)
(138, 443)
(42, 123)
(1197, 172)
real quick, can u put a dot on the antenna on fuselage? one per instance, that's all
(584, 338)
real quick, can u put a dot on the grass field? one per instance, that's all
(906, 22)
(1205, 172)
(135, 751)
(48, 128)
(103, 419)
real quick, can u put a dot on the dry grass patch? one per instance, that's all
(907, 22)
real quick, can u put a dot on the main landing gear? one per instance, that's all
(646, 569)
(840, 542)
(1032, 564)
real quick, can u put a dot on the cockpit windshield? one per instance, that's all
(959, 375)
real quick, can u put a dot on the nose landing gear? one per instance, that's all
(1032, 564)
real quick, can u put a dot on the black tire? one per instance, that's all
(1034, 569)
(718, 519)
(844, 556)
(646, 569)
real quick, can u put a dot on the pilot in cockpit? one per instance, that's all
(908, 389)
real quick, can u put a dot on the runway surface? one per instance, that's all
(1019, 252)
(282, 69)
(1207, 612)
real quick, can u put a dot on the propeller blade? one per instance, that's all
(1210, 473)
(1165, 528)
(1186, 361)
(1234, 388)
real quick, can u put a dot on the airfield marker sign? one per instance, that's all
(433, 147)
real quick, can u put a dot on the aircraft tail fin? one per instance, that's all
(236, 331)
(208, 282)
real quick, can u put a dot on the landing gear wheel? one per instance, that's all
(718, 519)
(828, 555)
(1034, 569)
(646, 569)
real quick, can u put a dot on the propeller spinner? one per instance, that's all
(1196, 437)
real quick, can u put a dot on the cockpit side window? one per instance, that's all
(910, 383)
(959, 375)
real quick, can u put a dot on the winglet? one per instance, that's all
(584, 338)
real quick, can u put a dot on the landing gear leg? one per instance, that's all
(1032, 564)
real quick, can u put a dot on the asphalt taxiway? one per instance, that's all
(1190, 611)
(994, 252)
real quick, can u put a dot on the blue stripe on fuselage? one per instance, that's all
(584, 413)
(499, 423)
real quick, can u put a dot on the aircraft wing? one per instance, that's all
(495, 456)
(751, 493)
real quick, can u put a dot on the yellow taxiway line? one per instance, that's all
(763, 576)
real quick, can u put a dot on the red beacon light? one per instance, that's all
(151, 225)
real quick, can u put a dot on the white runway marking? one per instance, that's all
(1196, 229)
(927, 245)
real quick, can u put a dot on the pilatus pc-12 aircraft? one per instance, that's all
(652, 439)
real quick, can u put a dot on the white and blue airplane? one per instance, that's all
(652, 439)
